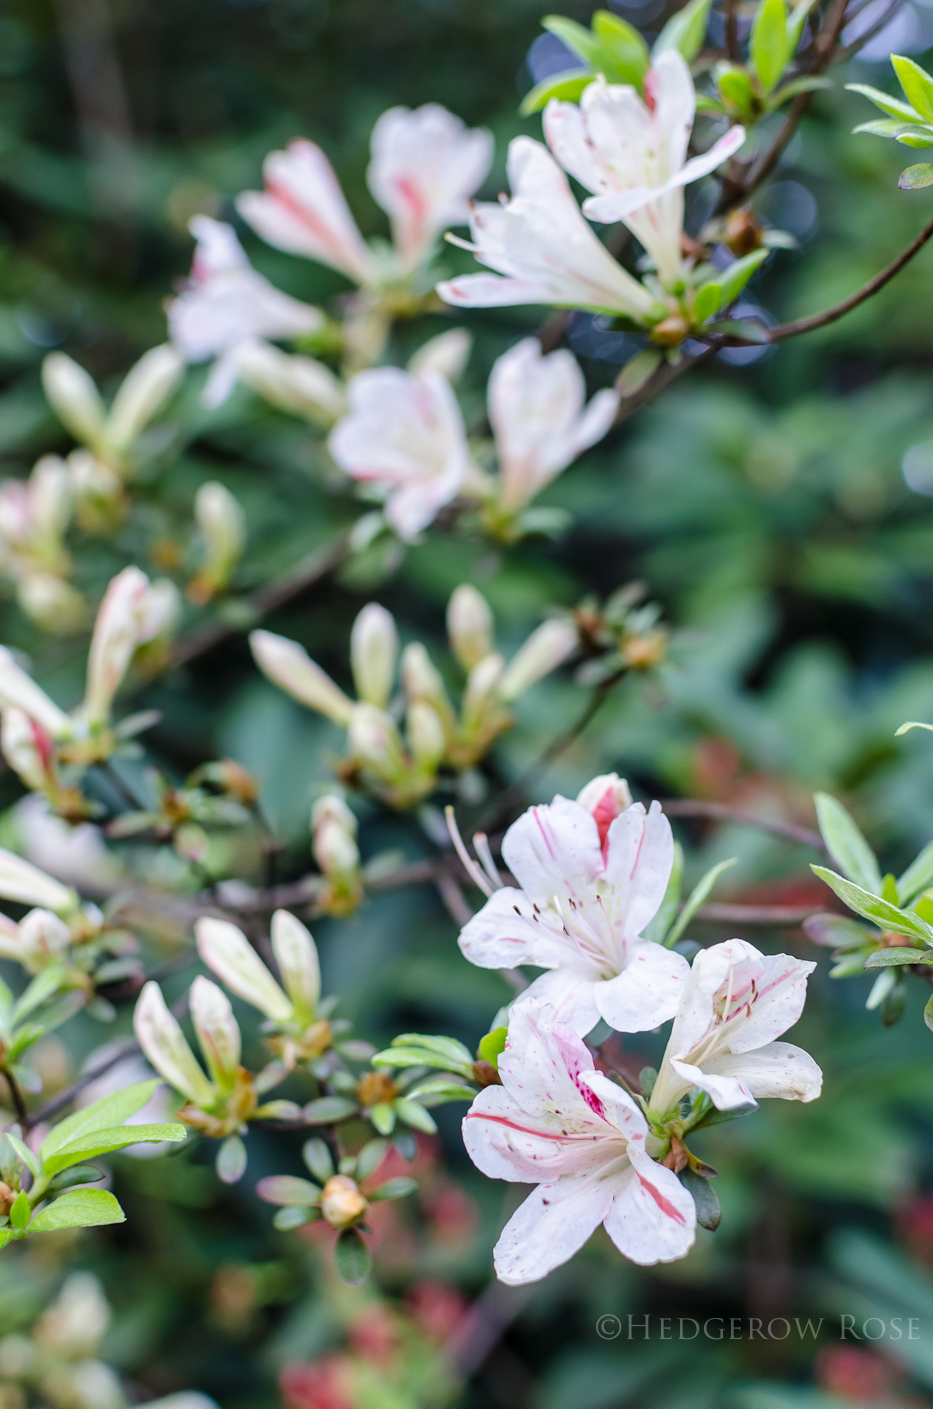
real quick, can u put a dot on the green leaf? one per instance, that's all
(383, 1118)
(838, 932)
(913, 724)
(230, 1164)
(795, 88)
(102, 1142)
(846, 845)
(794, 29)
(395, 1189)
(685, 31)
(888, 917)
(734, 279)
(25, 1154)
(327, 1109)
(109, 1111)
(895, 107)
(699, 893)
(78, 1208)
(646, 1080)
(435, 1093)
(769, 47)
(914, 178)
(735, 86)
(917, 877)
(413, 1114)
(492, 1046)
(447, 1047)
(317, 1157)
(369, 1159)
(915, 137)
(706, 104)
(20, 1211)
(575, 37)
(892, 958)
(638, 370)
(352, 1261)
(917, 85)
(288, 1218)
(709, 1213)
(893, 1004)
(43, 986)
(568, 86)
(6, 1235)
(889, 889)
(880, 127)
(928, 1013)
(622, 54)
(708, 301)
(288, 1191)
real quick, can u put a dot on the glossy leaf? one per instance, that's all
(78, 1208)
(846, 845)
(888, 917)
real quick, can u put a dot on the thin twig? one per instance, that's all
(732, 31)
(304, 575)
(720, 812)
(19, 1105)
(758, 914)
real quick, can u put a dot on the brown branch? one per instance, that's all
(732, 31)
(304, 575)
(720, 812)
(831, 315)
(16, 1095)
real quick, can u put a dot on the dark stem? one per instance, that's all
(19, 1105)
(720, 812)
(732, 31)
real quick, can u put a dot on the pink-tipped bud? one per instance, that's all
(605, 797)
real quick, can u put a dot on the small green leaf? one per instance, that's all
(383, 1118)
(352, 1261)
(734, 279)
(317, 1157)
(575, 37)
(707, 302)
(327, 1109)
(103, 1114)
(915, 137)
(850, 965)
(846, 845)
(638, 370)
(769, 47)
(646, 1079)
(395, 1189)
(43, 986)
(915, 178)
(78, 1208)
(917, 85)
(735, 86)
(369, 1159)
(20, 1212)
(287, 1190)
(706, 104)
(6, 1235)
(288, 1218)
(913, 724)
(102, 1142)
(928, 1013)
(892, 958)
(492, 1046)
(25, 1154)
(887, 917)
(447, 1047)
(917, 877)
(622, 54)
(685, 31)
(436, 1092)
(894, 107)
(889, 889)
(709, 1214)
(413, 1114)
(568, 86)
(699, 893)
(795, 23)
(893, 1005)
(230, 1163)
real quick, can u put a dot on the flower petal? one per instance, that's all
(227, 951)
(778, 1002)
(507, 932)
(646, 993)
(780, 1070)
(653, 1217)
(619, 205)
(550, 1226)
(638, 866)
(554, 851)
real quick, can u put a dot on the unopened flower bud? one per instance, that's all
(373, 653)
(469, 625)
(52, 604)
(163, 1042)
(127, 617)
(145, 390)
(608, 792)
(334, 828)
(27, 885)
(50, 496)
(423, 682)
(342, 1204)
(289, 666)
(298, 384)
(374, 741)
(226, 950)
(670, 331)
(43, 938)
(98, 491)
(545, 649)
(426, 736)
(27, 748)
(296, 955)
(448, 354)
(217, 1030)
(481, 690)
(74, 398)
(222, 526)
(18, 689)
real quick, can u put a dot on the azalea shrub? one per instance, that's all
(402, 796)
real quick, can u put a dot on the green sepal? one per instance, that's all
(398, 1188)
(492, 1046)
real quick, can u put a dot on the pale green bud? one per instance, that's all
(373, 653)
(469, 626)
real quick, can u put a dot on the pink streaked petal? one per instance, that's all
(506, 1142)
(570, 993)
(653, 1217)
(619, 205)
(550, 1226)
(779, 1070)
(781, 991)
(638, 866)
(646, 993)
(619, 1105)
(491, 291)
(554, 850)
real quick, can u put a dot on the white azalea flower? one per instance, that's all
(590, 883)
(405, 433)
(735, 1003)
(539, 418)
(426, 165)
(227, 304)
(557, 1122)
(631, 152)
(543, 249)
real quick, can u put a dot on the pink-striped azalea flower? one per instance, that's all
(591, 879)
(406, 434)
(227, 305)
(541, 248)
(425, 166)
(632, 153)
(557, 1122)
(539, 416)
(735, 1003)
